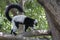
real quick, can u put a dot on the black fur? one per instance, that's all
(28, 22)
(10, 7)
(13, 32)
(17, 24)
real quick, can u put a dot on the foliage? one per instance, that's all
(32, 9)
(36, 11)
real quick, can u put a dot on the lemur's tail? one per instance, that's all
(10, 7)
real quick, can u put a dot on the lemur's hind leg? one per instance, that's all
(15, 27)
(12, 32)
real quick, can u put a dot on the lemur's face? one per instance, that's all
(35, 22)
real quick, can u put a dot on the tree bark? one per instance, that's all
(53, 16)
(23, 36)
(21, 27)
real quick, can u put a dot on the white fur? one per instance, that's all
(18, 18)
(35, 21)
(14, 27)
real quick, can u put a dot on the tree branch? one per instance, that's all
(26, 34)
(36, 33)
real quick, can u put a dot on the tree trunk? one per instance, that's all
(52, 8)
(21, 27)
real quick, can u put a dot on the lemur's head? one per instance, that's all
(35, 22)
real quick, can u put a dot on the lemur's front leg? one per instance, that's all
(26, 27)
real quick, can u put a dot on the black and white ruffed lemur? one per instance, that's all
(19, 19)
